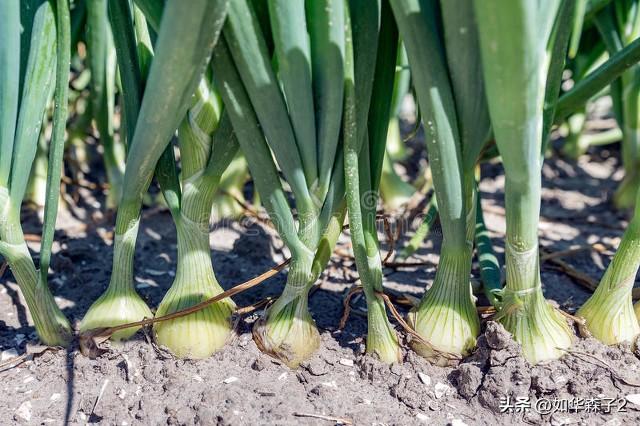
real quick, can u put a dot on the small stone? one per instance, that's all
(422, 417)
(122, 393)
(560, 380)
(559, 420)
(283, 376)
(24, 411)
(346, 362)
(440, 390)
(28, 380)
(458, 422)
(634, 398)
(332, 384)
(198, 378)
(55, 397)
(258, 365)
(424, 378)
(230, 379)
(8, 354)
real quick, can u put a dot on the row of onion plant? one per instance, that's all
(303, 91)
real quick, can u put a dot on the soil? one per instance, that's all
(138, 383)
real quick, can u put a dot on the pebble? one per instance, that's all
(283, 376)
(331, 384)
(198, 378)
(229, 380)
(424, 378)
(422, 417)
(8, 354)
(560, 380)
(258, 365)
(24, 411)
(346, 362)
(54, 397)
(441, 389)
(634, 398)
(557, 420)
(458, 422)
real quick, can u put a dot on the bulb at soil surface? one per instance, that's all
(197, 335)
(611, 320)
(382, 340)
(609, 312)
(288, 332)
(204, 332)
(446, 318)
(116, 307)
(541, 329)
(119, 304)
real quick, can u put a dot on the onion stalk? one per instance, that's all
(173, 78)
(451, 99)
(394, 191)
(259, 112)
(609, 312)
(428, 218)
(102, 63)
(227, 200)
(260, 108)
(204, 156)
(37, 61)
(517, 46)
(619, 25)
(365, 131)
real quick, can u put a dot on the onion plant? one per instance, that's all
(259, 102)
(522, 49)
(228, 200)
(609, 313)
(447, 77)
(590, 54)
(37, 186)
(294, 111)
(204, 155)
(102, 64)
(152, 117)
(365, 128)
(29, 65)
(619, 25)
(394, 191)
